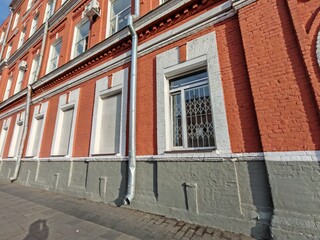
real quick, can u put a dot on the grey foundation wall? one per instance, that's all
(295, 187)
(233, 196)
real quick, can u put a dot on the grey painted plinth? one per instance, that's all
(295, 188)
(229, 195)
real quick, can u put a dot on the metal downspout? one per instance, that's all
(7, 32)
(24, 136)
(26, 122)
(133, 100)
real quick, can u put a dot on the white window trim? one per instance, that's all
(75, 34)
(36, 115)
(18, 124)
(4, 129)
(102, 91)
(59, 40)
(201, 52)
(63, 106)
(108, 30)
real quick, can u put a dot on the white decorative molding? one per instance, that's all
(119, 84)
(293, 156)
(39, 112)
(201, 52)
(66, 103)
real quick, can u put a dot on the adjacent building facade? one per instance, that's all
(227, 108)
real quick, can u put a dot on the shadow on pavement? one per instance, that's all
(39, 229)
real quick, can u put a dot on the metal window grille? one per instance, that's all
(191, 113)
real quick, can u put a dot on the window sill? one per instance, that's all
(191, 151)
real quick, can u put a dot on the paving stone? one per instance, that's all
(25, 213)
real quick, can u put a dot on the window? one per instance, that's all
(3, 135)
(16, 136)
(34, 25)
(8, 89)
(65, 124)
(19, 81)
(50, 9)
(119, 13)
(9, 51)
(81, 38)
(16, 19)
(54, 56)
(34, 69)
(29, 4)
(191, 115)
(22, 36)
(109, 117)
(36, 130)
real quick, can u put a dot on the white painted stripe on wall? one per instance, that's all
(293, 156)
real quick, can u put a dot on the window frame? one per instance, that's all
(16, 20)
(182, 90)
(34, 25)
(29, 4)
(75, 36)
(109, 33)
(46, 17)
(50, 58)
(9, 49)
(22, 37)
(34, 69)
(20, 78)
(8, 88)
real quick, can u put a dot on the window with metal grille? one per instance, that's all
(82, 38)
(119, 13)
(191, 113)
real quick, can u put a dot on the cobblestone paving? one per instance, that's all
(32, 214)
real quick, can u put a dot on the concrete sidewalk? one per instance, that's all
(33, 214)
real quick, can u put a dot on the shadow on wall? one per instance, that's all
(38, 230)
(123, 184)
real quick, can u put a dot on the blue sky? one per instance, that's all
(4, 10)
